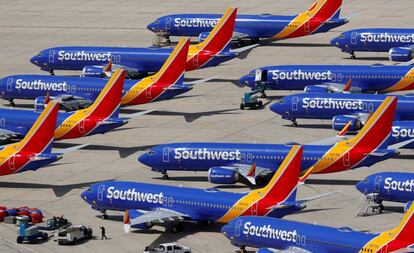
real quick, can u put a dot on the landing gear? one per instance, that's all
(104, 215)
(176, 228)
(353, 55)
(52, 72)
(243, 249)
(11, 103)
(161, 39)
(294, 123)
(165, 175)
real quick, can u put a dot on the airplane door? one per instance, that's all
(371, 107)
(237, 228)
(307, 27)
(170, 202)
(249, 157)
(82, 127)
(12, 164)
(148, 92)
(10, 84)
(166, 155)
(377, 184)
(346, 159)
(339, 77)
(295, 103)
(354, 38)
(52, 56)
(168, 24)
(195, 60)
(101, 190)
(254, 209)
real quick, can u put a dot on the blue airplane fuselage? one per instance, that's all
(375, 78)
(262, 232)
(389, 186)
(34, 86)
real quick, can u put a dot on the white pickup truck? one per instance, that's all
(73, 234)
(168, 248)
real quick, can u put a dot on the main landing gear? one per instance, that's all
(177, 227)
(294, 123)
(52, 72)
(165, 175)
(11, 103)
(353, 55)
(161, 39)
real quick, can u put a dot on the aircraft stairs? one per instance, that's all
(368, 206)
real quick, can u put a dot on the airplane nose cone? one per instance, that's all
(225, 230)
(335, 42)
(152, 27)
(361, 186)
(34, 60)
(245, 80)
(144, 159)
(277, 108)
(84, 196)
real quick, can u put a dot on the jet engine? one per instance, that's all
(68, 103)
(401, 54)
(338, 123)
(223, 175)
(316, 89)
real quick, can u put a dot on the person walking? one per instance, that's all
(103, 235)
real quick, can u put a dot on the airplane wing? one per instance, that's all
(249, 172)
(159, 215)
(237, 35)
(66, 101)
(6, 135)
(332, 140)
(71, 149)
(288, 204)
(199, 81)
(136, 115)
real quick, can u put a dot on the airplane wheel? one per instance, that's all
(242, 106)
(176, 228)
(168, 42)
(243, 249)
(382, 208)
(295, 124)
(165, 177)
(105, 216)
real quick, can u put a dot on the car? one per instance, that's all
(168, 248)
(73, 234)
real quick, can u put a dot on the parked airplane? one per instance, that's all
(35, 149)
(149, 204)
(276, 235)
(341, 108)
(214, 50)
(331, 78)
(101, 117)
(398, 42)
(228, 163)
(321, 17)
(77, 93)
(388, 186)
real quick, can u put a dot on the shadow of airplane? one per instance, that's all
(369, 58)
(331, 182)
(188, 116)
(311, 126)
(273, 42)
(59, 190)
(123, 151)
(220, 80)
(403, 157)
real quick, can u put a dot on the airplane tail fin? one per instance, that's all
(109, 100)
(374, 135)
(400, 237)
(282, 186)
(219, 40)
(40, 136)
(325, 9)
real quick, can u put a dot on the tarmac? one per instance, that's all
(209, 113)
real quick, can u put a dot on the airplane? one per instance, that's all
(35, 149)
(94, 61)
(340, 107)
(321, 17)
(148, 204)
(99, 118)
(276, 235)
(228, 163)
(398, 42)
(388, 186)
(331, 78)
(76, 93)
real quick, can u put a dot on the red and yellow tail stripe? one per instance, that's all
(150, 88)
(309, 21)
(217, 40)
(406, 83)
(82, 122)
(399, 238)
(280, 187)
(347, 154)
(15, 156)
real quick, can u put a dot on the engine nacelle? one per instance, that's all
(316, 89)
(223, 175)
(94, 71)
(203, 36)
(400, 54)
(132, 214)
(67, 103)
(338, 123)
(40, 103)
(407, 206)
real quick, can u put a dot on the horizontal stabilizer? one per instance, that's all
(399, 145)
(200, 81)
(138, 114)
(71, 149)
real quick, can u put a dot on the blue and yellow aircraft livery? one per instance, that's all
(322, 16)
(398, 42)
(388, 186)
(331, 78)
(100, 117)
(149, 204)
(94, 61)
(77, 93)
(228, 163)
(276, 235)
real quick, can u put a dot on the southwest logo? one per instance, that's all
(204, 154)
(132, 195)
(266, 231)
(40, 85)
(301, 75)
(385, 37)
(195, 22)
(329, 103)
(83, 56)
(402, 132)
(402, 186)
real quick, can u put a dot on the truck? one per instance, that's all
(73, 234)
(168, 248)
(30, 234)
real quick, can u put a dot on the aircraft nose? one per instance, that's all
(225, 230)
(145, 159)
(152, 27)
(335, 42)
(277, 108)
(361, 186)
(245, 80)
(35, 60)
(84, 196)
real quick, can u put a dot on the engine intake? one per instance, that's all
(223, 175)
(316, 89)
(94, 71)
(400, 54)
(338, 123)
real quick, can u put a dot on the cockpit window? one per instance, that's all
(40, 54)
(90, 189)
(366, 180)
(251, 74)
(342, 36)
(282, 101)
(157, 21)
(151, 152)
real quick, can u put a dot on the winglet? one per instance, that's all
(347, 87)
(127, 222)
(344, 130)
(108, 67)
(252, 171)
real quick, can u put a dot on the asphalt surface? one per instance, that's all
(207, 113)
